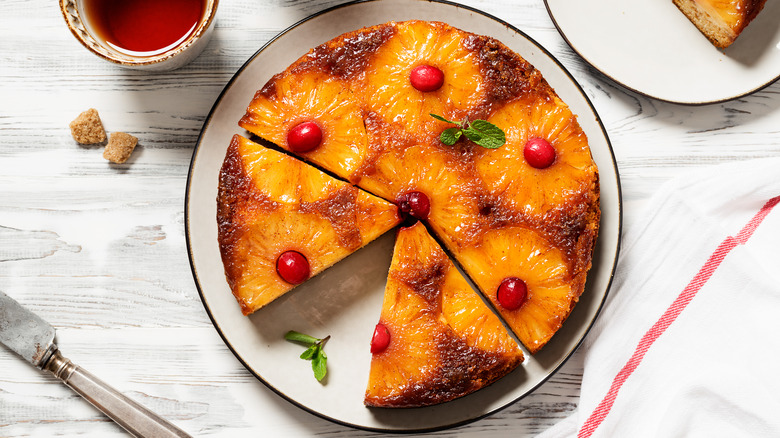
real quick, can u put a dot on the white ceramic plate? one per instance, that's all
(650, 47)
(345, 301)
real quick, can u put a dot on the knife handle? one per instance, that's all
(135, 418)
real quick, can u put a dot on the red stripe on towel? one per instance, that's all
(672, 312)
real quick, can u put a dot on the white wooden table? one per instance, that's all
(99, 251)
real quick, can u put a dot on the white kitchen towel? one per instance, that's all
(688, 342)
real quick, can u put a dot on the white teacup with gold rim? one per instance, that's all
(153, 35)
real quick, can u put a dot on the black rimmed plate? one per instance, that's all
(345, 300)
(652, 48)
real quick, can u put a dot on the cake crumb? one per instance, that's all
(120, 146)
(87, 128)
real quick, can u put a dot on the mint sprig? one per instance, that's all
(314, 352)
(479, 131)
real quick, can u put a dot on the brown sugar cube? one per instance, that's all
(120, 146)
(87, 128)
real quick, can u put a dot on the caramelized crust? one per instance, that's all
(506, 74)
(347, 56)
(425, 279)
(463, 370)
(236, 199)
(340, 209)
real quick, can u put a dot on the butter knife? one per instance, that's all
(29, 336)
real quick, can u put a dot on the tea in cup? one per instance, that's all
(142, 34)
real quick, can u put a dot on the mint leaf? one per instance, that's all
(473, 135)
(450, 135)
(319, 365)
(438, 117)
(491, 136)
(314, 352)
(310, 352)
(481, 132)
(294, 336)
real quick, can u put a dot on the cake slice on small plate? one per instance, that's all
(282, 221)
(436, 339)
(721, 21)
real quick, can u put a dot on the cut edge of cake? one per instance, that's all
(714, 28)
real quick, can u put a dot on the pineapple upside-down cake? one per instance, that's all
(521, 219)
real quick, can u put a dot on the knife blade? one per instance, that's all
(24, 332)
(32, 338)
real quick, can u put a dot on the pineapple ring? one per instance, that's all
(387, 90)
(452, 194)
(506, 172)
(317, 97)
(522, 253)
(261, 243)
(274, 175)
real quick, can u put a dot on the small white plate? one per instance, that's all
(345, 300)
(650, 47)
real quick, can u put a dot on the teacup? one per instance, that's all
(117, 39)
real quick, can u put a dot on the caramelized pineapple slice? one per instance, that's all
(730, 13)
(436, 172)
(444, 341)
(552, 287)
(269, 203)
(387, 90)
(507, 173)
(311, 95)
(721, 21)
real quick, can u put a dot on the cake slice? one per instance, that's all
(281, 221)
(721, 21)
(533, 284)
(436, 339)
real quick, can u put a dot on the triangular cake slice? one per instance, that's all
(721, 21)
(532, 283)
(436, 339)
(281, 221)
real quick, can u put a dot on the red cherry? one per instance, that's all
(415, 204)
(426, 78)
(381, 339)
(304, 137)
(293, 267)
(539, 153)
(512, 293)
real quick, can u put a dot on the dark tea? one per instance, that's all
(143, 27)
